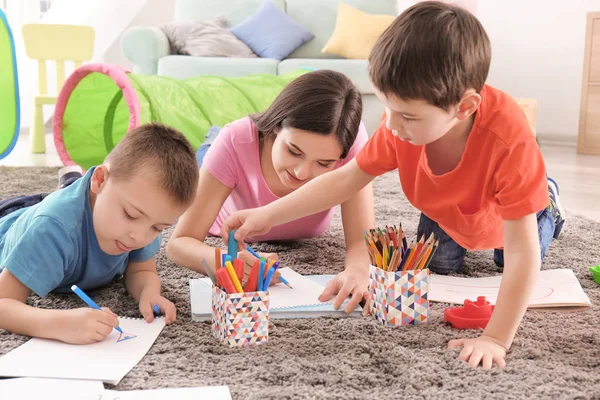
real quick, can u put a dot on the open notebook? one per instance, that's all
(300, 302)
(107, 361)
(556, 288)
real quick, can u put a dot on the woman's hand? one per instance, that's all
(252, 222)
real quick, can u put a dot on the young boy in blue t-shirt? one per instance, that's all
(104, 225)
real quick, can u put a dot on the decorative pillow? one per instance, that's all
(350, 41)
(205, 39)
(271, 33)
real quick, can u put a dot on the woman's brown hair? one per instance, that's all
(324, 102)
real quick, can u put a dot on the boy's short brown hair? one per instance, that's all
(434, 52)
(161, 152)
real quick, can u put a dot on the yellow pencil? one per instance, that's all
(385, 258)
(378, 260)
(234, 278)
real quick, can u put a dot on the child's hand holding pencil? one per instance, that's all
(83, 325)
(149, 299)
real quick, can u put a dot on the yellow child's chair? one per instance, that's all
(59, 43)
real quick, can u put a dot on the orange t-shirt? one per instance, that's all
(501, 175)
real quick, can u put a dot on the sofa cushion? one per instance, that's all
(183, 67)
(356, 70)
(349, 42)
(205, 39)
(234, 11)
(319, 16)
(271, 33)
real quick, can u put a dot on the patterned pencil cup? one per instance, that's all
(399, 298)
(240, 319)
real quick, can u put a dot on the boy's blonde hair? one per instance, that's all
(434, 52)
(161, 152)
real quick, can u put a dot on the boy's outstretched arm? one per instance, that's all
(143, 284)
(521, 270)
(77, 326)
(357, 216)
(322, 193)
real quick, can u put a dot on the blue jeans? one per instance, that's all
(449, 256)
(12, 204)
(209, 138)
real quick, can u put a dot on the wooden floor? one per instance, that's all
(578, 176)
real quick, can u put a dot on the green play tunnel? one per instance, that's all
(99, 103)
(9, 90)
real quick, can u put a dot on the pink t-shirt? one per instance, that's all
(234, 160)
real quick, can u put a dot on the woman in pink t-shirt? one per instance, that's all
(311, 128)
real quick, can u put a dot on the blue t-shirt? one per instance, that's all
(52, 245)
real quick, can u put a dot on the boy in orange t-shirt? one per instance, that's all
(466, 159)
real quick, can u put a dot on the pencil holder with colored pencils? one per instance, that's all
(399, 277)
(240, 308)
(240, 319)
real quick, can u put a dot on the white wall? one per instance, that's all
(537, 47)
(109, 18)
(537, 51)
(154, 13)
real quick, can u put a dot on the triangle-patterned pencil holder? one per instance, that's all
(240, 319)
(399, 298)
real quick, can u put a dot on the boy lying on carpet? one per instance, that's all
(466, 159)
(101, 226)
(312, 127)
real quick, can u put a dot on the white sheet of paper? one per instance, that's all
(71, 389)
(49, 389)
(201, 294)
(305, 293)
(208, 392)
(554, 288)
(108, 361)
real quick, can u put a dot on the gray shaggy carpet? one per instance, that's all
(555, 354)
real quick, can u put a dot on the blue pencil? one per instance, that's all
(280, 277)
(232, 245)
(284, 281)
(404, 260)
(269, 277)
(88, 301)
(255, 254)
(261, 275)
